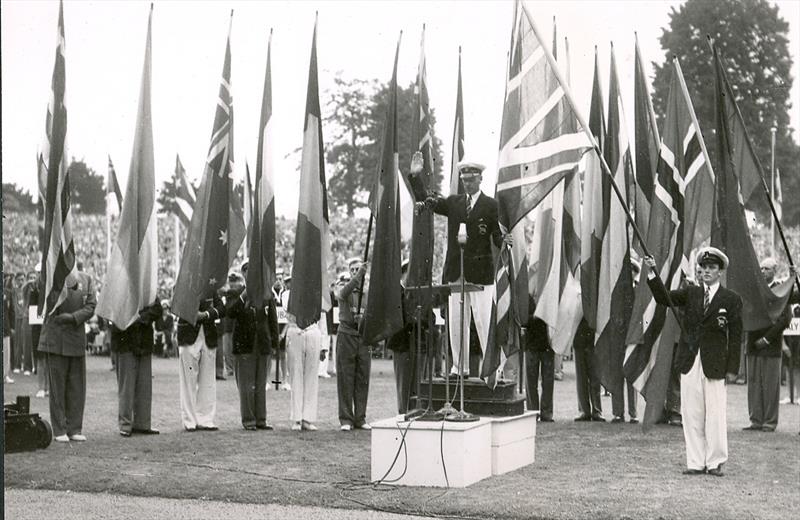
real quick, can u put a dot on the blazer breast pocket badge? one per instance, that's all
(722, 318)
(482, 227)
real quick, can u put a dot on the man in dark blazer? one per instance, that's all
(713, 326)
(478, 213)
(63, 340)
(197, 349)
(134, 350)
(539, 359)
(764, 364)
(255, 338)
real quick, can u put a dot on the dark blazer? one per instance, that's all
(537, 339)
(187, 333)
(138, 338)
(69, 339)
(252, 326)
(716, 333)
(772, 334)
(482, 230)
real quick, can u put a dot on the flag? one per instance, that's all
(615, 287)
(261, 269)
(535, 154)
(593, 228)
(185, 196)
(217, 229)
(58, 259)
(678, 224)
(310, 294)
(131, 282)
(777, 201)
(761, 306)
(247, 204)
(647, 143)
(112, 186)
(421, 246)
(535, 151)
(457, 153)
(383, 316)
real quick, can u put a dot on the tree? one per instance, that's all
(753, 40)
(356, 112)
(17, 201)
(88, 188)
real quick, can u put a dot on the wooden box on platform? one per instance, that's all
(479, 399)
(463, 449)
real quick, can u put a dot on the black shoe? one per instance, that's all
(753, 428)
(207, 428)
(221, 378)
(146, 431)
(717, 472)
(546, 419)
(768, 429)
(583, 418)
(598, 418)
(250, 428)
(634, 420)
(265, 426)
(190, 430)
(124, 433)
(694, 471)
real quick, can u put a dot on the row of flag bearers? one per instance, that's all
(543, 136)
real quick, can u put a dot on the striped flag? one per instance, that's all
(112, 186)
(383, 316)
(593, 229)
(217, 228)
(130, 282)
(421, 256)
(678, 224)
(761, 305)
(58, 259)
(457, 154)
(185, 196)
(647, 142)
(535, 152)
(615, 287)
(310, 294)
(261, 269)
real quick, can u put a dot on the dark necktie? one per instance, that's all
(469, 204)
(706, 299)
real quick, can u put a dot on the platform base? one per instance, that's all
(467, 451)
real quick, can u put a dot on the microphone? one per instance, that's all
(462, 234)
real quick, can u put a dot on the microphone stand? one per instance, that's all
(460, 415)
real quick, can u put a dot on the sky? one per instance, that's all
(105, 51)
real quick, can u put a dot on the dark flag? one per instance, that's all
(58, 258)
(261, 270)
(458, 136)
(310, 294)
(217, 228)
(131, 282)
(421, 256)
(740, 170)
(383, 316)
(112, 185)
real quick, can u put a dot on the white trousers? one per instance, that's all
(478, 305)
(198, 385)
(703, 406)
(302, 357)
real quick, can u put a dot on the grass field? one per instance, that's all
(582, 470)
